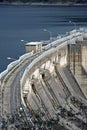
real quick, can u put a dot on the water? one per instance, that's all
(28, 22)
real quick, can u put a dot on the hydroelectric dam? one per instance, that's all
(46, 88)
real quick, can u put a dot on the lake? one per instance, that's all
(28, 23)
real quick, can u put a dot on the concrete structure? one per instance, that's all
(35, 46)
(52, 84)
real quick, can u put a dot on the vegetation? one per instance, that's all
(49, 1)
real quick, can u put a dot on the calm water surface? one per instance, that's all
(28, 22)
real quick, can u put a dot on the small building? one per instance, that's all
(35, 46)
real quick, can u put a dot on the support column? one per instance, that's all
(68, 57)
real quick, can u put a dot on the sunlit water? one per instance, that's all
(28, 22)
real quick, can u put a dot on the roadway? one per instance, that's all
(11, 96)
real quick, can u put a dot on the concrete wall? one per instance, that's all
(84, 57)
(30, 48)
(35, 47)
(47, 63)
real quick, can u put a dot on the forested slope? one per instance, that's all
(49, 1)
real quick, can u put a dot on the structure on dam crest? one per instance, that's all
(47, 87)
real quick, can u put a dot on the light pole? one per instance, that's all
(59, 36)
(49, 33)
(73, 24)
(10, 58)
(24, 40)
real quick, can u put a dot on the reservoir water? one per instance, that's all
(28, 23)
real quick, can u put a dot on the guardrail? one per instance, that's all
(72, 34)
(10, 68)
(13, 65)
(59, 44)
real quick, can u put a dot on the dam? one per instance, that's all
(46, 88)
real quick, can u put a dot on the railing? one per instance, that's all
(15, 64)
(78, 34)
(72, 35)
(10, 68)
(59, 44)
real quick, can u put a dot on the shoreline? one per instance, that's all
(43, 4)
